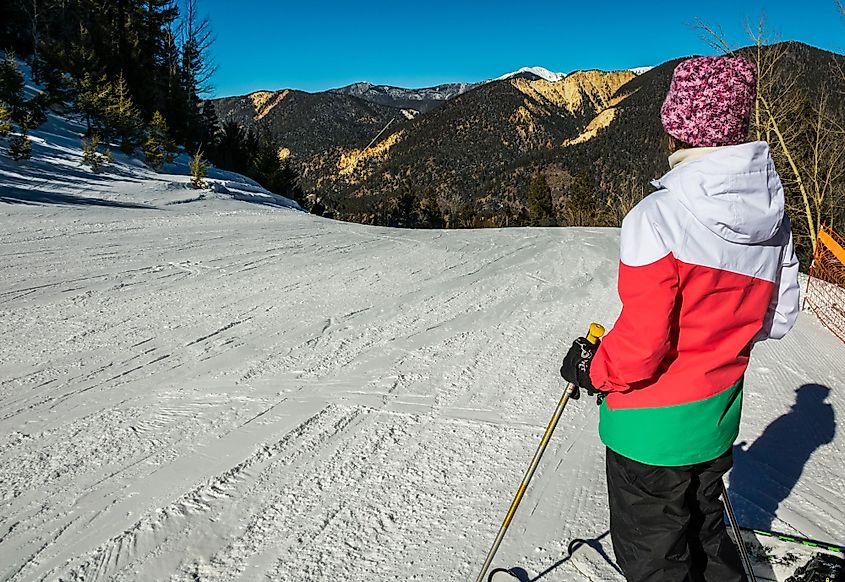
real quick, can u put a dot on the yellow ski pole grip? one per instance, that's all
(595, 333)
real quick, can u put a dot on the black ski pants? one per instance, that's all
(667, 524)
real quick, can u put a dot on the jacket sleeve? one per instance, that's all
(785, 305)
(648, 287)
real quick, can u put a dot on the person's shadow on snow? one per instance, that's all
(765, 473)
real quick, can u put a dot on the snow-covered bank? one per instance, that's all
(225, 390)
(56, 175)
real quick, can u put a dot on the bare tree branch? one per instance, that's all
(197, 39)
(805, 135)
(713, 37)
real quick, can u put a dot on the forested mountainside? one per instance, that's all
(595, 137)
(308, 124)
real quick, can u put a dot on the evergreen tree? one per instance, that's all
(31, 113)
(540, 211)
(274, 173)
(36, 110)
(84, 64)
(91, 155)
(582, 201)
(265, 163)
(12, 88)
(233, 148)
(20, 146)
(148, 43)
(174, 96)
(403, 209)
(122, 118)
(229, 146)
(13, 27)
(251, 143)
(429, 211)
(5, 121)
(197, 67)
(47, 70)
(159, 147)
(210, 128)
(287, 182)
(92, 97)
(16, 110)
(199, 171)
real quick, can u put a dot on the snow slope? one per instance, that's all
(552, 77)
(539, 72)
(228, 389)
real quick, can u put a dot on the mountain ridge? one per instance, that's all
(481, 146)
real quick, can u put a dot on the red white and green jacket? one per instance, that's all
(707, 269)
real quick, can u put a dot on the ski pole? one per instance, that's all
(596, 331)
(743, 551)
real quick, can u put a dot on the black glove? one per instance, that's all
(576, 367)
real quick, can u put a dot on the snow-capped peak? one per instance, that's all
(540, 72)
(640, 70)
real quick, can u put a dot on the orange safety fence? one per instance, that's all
(826, 285)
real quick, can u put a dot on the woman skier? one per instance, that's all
(707, 270)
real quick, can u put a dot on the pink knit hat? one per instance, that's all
(710, 101)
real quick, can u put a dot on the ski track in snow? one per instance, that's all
(224, 391)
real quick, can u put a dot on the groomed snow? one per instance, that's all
(226, 389)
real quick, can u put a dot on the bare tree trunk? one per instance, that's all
(121, 33)
(31, 9)
(759, 85)
(35, 39)
(811, 223)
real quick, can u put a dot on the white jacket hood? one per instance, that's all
(734, 192)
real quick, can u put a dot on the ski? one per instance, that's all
(779, 557)
(797, 540)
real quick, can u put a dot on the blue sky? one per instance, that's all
(317, 45)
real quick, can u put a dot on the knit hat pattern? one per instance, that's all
(710, 101)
